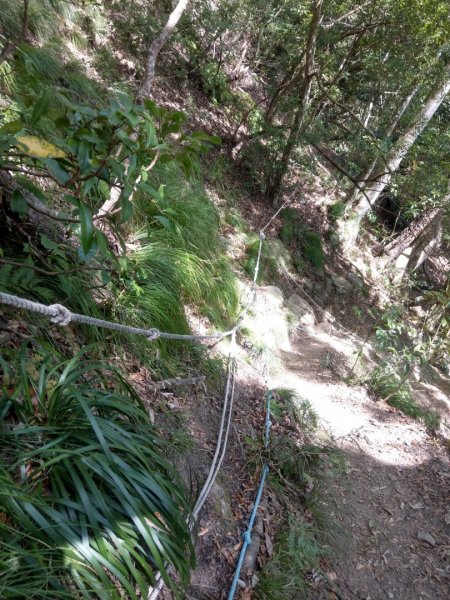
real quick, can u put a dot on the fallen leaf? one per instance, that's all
(423, 536)
(203, 531)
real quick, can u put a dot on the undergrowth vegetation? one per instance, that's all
(297, 555)
(388, 386)
(88, 503)
(297, 466)
(103, 210)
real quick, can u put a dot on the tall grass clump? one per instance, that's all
(178, 249)
(90, 508)
(386, 384)
(297, 554)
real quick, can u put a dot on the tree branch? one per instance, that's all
(52, 273)
(155, 48)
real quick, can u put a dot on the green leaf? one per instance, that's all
(72, 200)
(40, 107)
(47, 243)
(165, 222)
(146, 187)
(87, 227)
(55, 169)
(102, 242)
(205, 137)
(11, 127)
(127, 210)
(61, 122)
(84, 156)
(150, 133)
(18, 203)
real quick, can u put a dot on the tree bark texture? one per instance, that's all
(299, 118)
(407, 237)
(404, 144)
(146, 87)
(371, 167)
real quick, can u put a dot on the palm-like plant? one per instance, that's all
(88, 505)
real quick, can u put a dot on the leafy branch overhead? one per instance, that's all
(92, 151)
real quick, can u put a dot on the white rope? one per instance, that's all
(60, 315)
(222, 438)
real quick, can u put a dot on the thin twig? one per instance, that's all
(52, 273)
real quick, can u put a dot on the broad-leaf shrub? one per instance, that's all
(92, 152)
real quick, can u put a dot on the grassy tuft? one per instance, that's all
(387, 385)
(299, 409)
(297, 554)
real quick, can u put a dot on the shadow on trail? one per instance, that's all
(392, 539)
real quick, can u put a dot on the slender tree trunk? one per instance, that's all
(406, 141)
(155, 48)
(365, 177)
(282, 167)
(426, 244)
(10, 46)
(286, 84)
(407, 237)
(146, 86)
(422, 241)
(395, 158)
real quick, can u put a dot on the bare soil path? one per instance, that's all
(393, 506)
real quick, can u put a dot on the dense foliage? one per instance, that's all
(103, 207)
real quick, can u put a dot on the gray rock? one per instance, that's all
(272, 293)
(301, 310)
(324, 327)
(278, 253)
(423, 536)
(341, 284)
(356, 281)
(221, 501)
(308, 284)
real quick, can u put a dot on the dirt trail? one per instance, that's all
(393, 506)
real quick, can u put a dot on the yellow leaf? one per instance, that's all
(38, 147)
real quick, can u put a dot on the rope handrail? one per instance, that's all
(60, 315)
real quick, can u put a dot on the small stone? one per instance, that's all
(423, 536)
(324, 327)
(241, 584)
(341, 284)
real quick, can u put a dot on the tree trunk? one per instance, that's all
(155, 48)
(423, 243)
(396, 156)
(406, 141)
(365, 177)
(407, 237)
(285, 85)
(426, 244)
(10, 46)
(281, 168)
